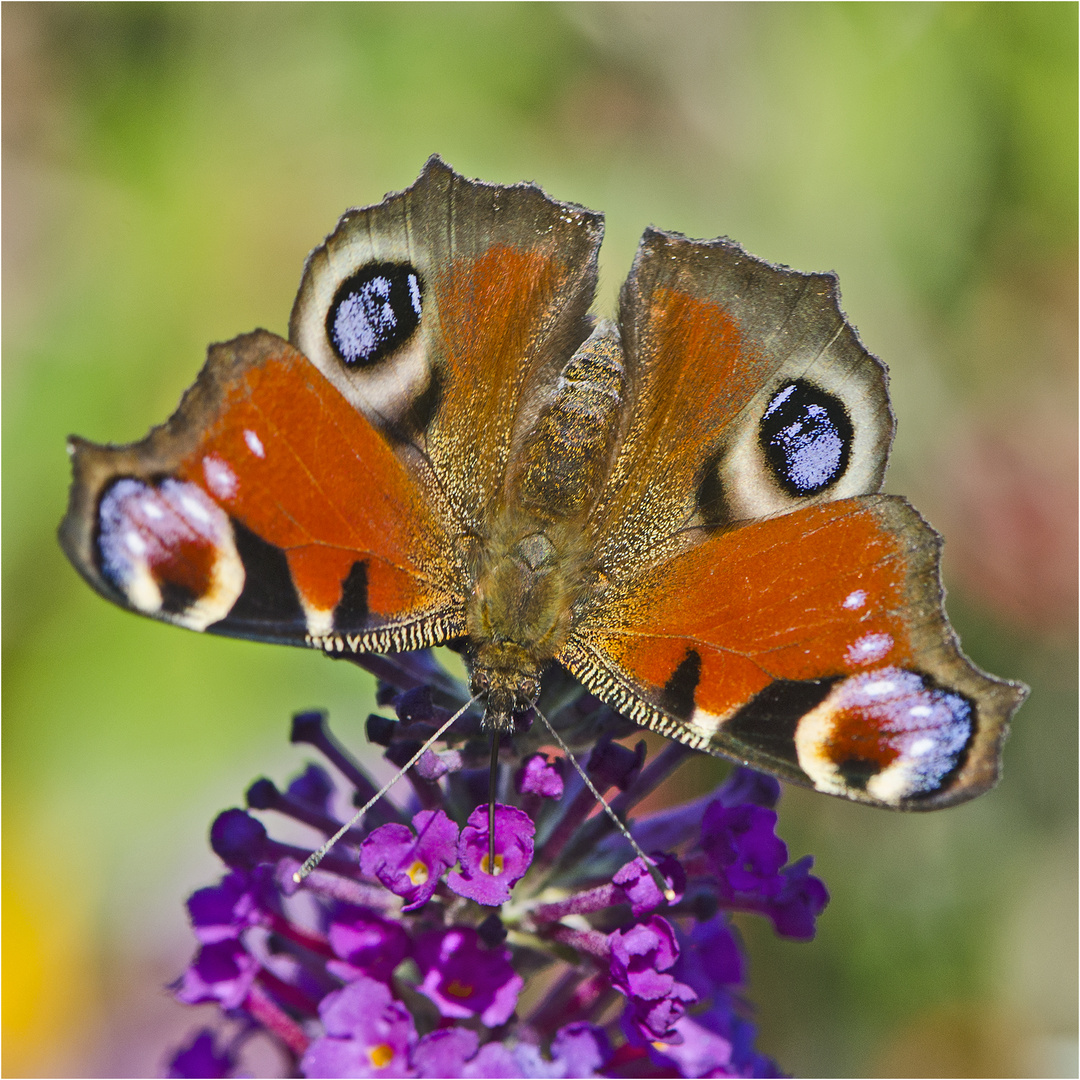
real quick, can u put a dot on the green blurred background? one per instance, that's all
(166, 170)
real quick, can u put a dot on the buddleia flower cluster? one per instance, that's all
(407, 954)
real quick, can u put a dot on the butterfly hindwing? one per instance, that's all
(811, 645)
(267, 507)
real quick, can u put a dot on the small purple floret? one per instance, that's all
(200, 1059)
(745, 852)
(465, 979)
(411, 864)
(801, 899)
(538, 776)
(698, 1051)
(238, 839)
(710, 958)
(314, 788)
(367, 944)
(514, 832)
(224, 911)
(640, 887)
(444, 1052)
(749, 786)
(221, 972)
(368, 1033)
(582, 1049)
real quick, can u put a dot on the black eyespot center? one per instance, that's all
(806, 436)
(374, 311)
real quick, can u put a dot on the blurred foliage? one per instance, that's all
(167, 168)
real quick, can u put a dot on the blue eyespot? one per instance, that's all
(806, 437)
(374, 311)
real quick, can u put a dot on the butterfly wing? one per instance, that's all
(759, 602)
(500, 280)
(812, 645)
(267, 508)
(712, 337)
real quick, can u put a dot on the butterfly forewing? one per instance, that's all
(500, 278)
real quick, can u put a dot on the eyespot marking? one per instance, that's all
(806, 436)
(169, 549)
(374, 311)
(894, 737)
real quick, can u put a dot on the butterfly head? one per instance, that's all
(508, 680)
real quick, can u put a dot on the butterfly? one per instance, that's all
(680, 507)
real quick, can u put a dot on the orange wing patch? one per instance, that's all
(729, 645)
(334, 536)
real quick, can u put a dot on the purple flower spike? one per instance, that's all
(465, 979)
(368, 1033)
(640, 887)
(222, 972)
(514, 832)
(538, 776)
(745, 852)
(366, 943)
(200, 1059)
(801, 899)
(443, 1053)
(409, 864)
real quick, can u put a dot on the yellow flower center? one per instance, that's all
(418, 872)
(381, 1055)
(498, 865)
(459, 989)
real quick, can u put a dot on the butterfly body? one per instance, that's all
(681, 507)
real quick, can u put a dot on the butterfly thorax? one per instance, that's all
(532, 570)
(520, 613)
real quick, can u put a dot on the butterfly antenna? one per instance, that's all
(665, 888)
(493, 783)
(316, 857)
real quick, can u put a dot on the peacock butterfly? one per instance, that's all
(679, 507)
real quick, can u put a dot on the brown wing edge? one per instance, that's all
(995, 700)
